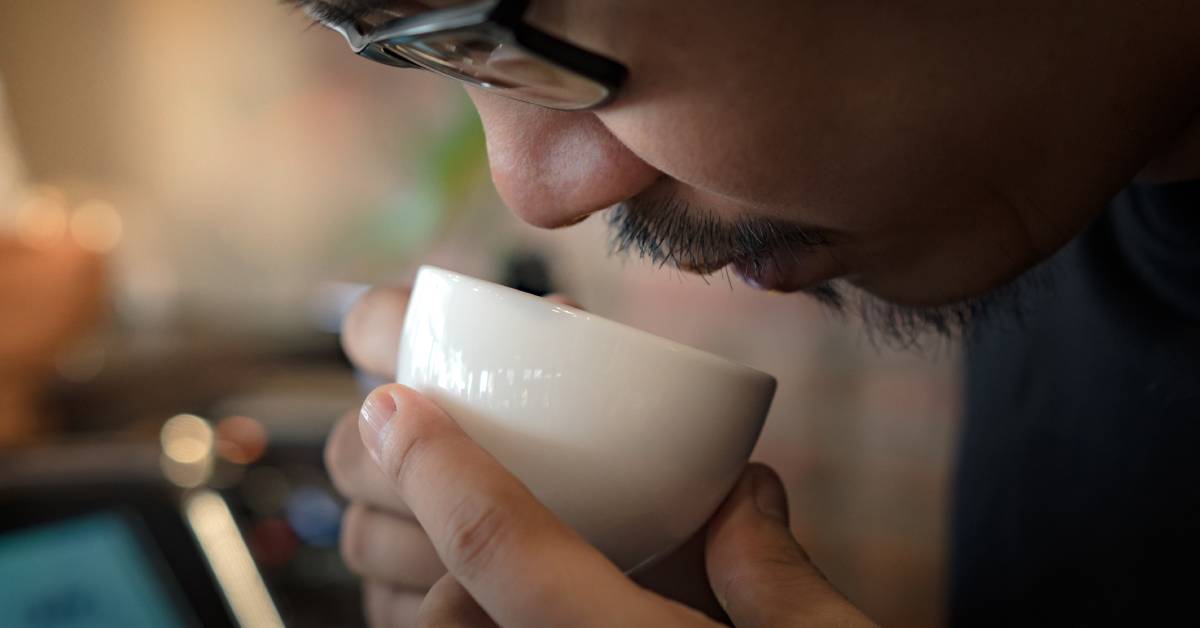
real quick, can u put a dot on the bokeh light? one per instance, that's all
(241, 439)
(187, 439)
(43, 221)
(315, 516)
(187, 445)
(273, 541)
(96, 226)
(83, 362)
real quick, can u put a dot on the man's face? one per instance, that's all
(926, 151)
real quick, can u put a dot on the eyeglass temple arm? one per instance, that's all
(361, 46)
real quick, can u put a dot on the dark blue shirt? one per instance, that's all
(1077, 501)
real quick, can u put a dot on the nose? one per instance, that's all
(554, 168)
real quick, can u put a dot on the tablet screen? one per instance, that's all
(96, 571)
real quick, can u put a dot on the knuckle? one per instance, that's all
(779, 588)
(475, 533)
(750, 584)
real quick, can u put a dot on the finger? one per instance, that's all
(760, 574)
(389, 549)
(388, 607)
(523, 565)
(354, 473)
(681, 576)
(371, 330)
(448, 605)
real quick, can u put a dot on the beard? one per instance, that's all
(893, 325)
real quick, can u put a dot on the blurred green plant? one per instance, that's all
(451, 175)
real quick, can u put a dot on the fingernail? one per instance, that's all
(768, 495)
(377, 410)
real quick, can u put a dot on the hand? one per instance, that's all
(381, 541)
(510, 559)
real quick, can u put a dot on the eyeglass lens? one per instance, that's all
(484, 61)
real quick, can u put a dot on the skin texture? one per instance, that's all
(943, 147)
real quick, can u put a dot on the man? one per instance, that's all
(930, 154)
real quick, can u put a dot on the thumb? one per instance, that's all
(760, 574)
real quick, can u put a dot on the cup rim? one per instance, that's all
(592, 318)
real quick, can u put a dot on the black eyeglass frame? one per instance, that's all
(502, 20)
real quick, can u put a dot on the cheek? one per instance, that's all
(856, 161)
(826, 121)
(862, 170)
(762, 157)
(707, 149)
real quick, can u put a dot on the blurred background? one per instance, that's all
(191, 195)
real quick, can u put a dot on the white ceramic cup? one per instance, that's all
(631, 439)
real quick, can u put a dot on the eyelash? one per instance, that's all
(321, 14)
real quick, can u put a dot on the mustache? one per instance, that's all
(670, 232)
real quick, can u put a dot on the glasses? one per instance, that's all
(488, 44)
